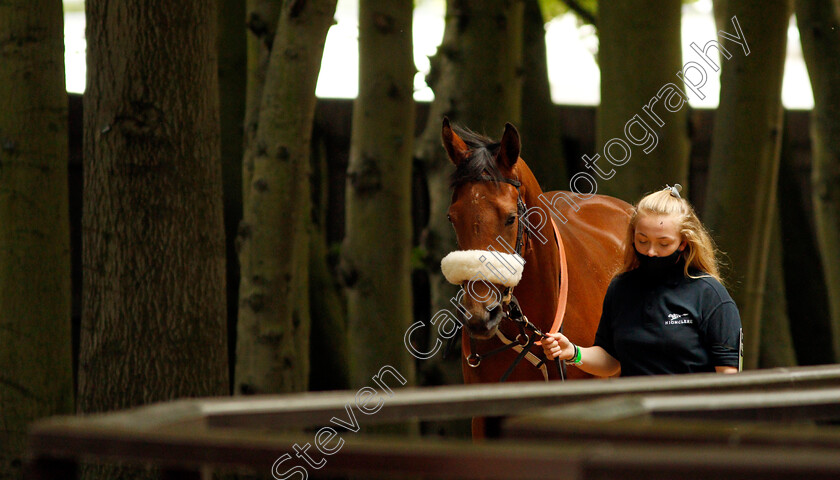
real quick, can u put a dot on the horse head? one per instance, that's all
(486, 212)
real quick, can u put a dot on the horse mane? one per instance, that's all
(481, 160)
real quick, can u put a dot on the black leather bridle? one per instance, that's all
(521, 232)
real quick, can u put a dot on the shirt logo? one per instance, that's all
(678, 319)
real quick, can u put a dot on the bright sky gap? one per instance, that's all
(573, 73)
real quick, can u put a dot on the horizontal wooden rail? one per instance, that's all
(394, 458)
(461, 401)
(782, 418)
(657, 432)
(235, 432)
(812, 404)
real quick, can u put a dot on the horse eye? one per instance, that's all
(449, 217)
(511, 218)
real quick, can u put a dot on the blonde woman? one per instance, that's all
(667, 311)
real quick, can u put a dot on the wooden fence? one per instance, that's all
(761, 424)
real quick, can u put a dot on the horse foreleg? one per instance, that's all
(486, 427)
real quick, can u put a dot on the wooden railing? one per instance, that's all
(760, 424)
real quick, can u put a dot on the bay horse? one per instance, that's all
(571, 246)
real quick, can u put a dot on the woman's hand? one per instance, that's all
(557, 345)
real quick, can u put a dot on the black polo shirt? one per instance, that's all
(669, 323)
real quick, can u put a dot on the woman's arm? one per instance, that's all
(594, 360)
(726, 369)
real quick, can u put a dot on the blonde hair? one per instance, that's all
(700, 252)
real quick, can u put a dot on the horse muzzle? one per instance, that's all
(483, 275)
(482, 323)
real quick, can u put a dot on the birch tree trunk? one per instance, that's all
(377, 245)
(274, 320)
(631, 82)
(36, 378)
(819, 27)
(542, 144)
(262, 18)
(475, 76)
(743, 170)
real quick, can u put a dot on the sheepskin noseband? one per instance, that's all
(473, 265)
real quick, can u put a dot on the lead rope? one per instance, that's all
(515, 313)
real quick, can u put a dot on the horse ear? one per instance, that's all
(510, 146)
(454, 145)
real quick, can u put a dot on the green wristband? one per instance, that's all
(577, 358)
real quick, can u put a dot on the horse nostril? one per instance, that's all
(478, 319)
(494, 316)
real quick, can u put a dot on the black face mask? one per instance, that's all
(652, 265)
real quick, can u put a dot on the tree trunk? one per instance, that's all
(262, 18)
(232, 69)
(807, 301)
(36, 378)
(542, 144)
(328, 357)
(640, 154)
(153, 319)
(719, 12)
(476, 79)
(274, 319)
(776, 341)
(741, 190)
(819, 27)
(377, 245)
